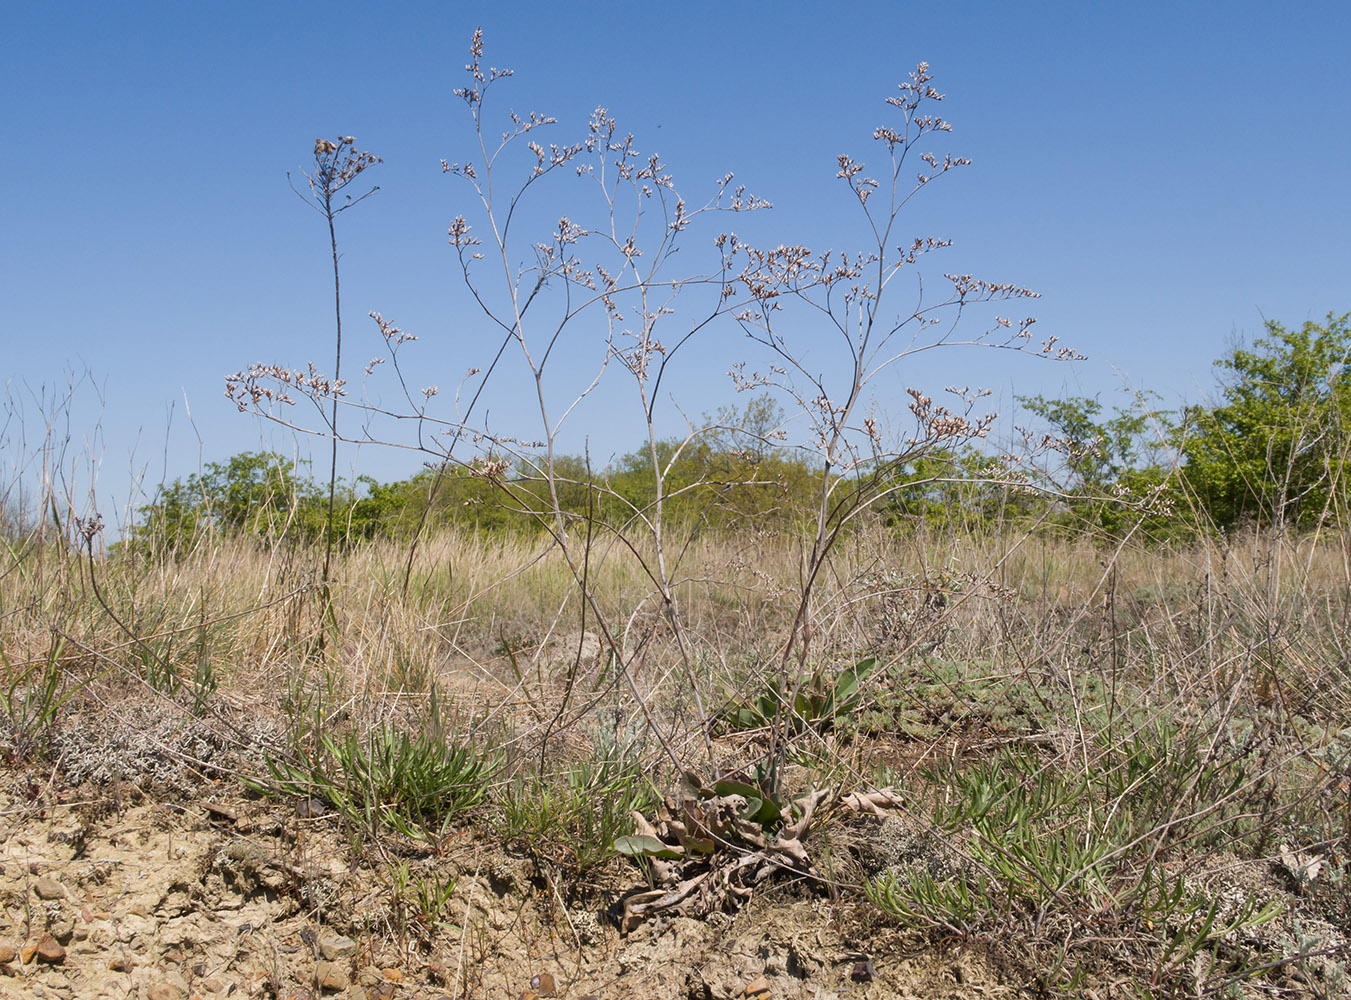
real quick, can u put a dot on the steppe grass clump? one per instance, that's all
(414, 784)
(32, 697)
(568, 818)
(1082, 856)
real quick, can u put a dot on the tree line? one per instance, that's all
(1269, 451)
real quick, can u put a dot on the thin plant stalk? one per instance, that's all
(336, 165)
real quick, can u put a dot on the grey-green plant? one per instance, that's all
(1045, 843)
(412, 783)
(926, 697)
(419, 901)
(571, 819)
(1189, 922)
(914, 896)
(34, 694)
(160, 664)
(820, 700)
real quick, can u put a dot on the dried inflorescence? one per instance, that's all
(605, 270)
(939, 425)
(336, 165)
(261, 383)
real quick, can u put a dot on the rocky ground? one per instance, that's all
(134, 865)
(230, 897)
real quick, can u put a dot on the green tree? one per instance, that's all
(455, 495)
(733, 473)
(1095, 452)
(1275, 451)
(962, 490)
(257, 493)
(1107, 465)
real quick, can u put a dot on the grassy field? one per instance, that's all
(1110, 768)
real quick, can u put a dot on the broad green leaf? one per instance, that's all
(643, 846)
(846, 686)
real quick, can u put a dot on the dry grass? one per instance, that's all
(1229, 655)
(1269, 614)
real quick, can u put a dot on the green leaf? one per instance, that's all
(846, 689)
(749, 717)
(643, 846)
(730, 786)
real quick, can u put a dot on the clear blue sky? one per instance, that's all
(1165, 174)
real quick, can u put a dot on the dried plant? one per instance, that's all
(617, 268)
(336, 166)
(1131, 717)
(843, 296)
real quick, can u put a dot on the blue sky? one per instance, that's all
(1166, 175)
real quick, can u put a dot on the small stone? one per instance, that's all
(369, 975)
(336, 947)
(122, 963)
(49, 950)
(163, 990)
(62, 928)
(8, 953)
(310, 809)
(863, 972)
(330, 976)
(543, 984)
(757, 989)
(393, 975)
(27, 952)
(223, 812)
(49, 888)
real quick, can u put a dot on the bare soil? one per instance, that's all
(133, 865)
(223, 896)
